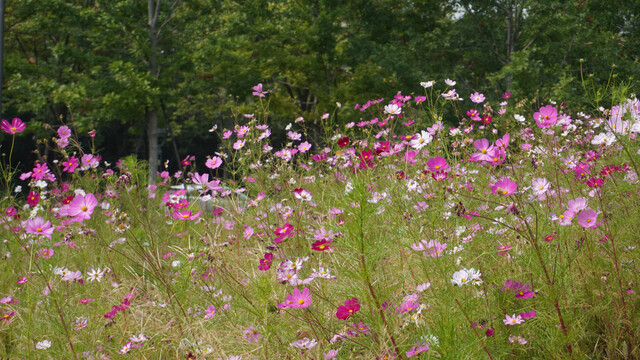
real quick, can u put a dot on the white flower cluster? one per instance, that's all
(466, 276)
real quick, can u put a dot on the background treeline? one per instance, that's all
(139, 70)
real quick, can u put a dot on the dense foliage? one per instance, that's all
(117, 65)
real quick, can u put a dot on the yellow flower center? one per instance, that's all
(84, 208)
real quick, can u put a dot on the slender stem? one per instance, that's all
(484, 346)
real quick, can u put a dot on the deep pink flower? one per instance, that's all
(40, 171)
(265, 264)
(503, 249)
(366, 159)
(343, 142)
(437, 163)
(322, 245)
(70, 164)
(33, 198)
(595, 182)
(547, 116)
(349, 308)
(16, 126)
(283, 232)
(184, 215)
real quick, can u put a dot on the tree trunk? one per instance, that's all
(152, 112)
(152, 134)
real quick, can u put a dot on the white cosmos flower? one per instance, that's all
(421, 140)
(460, 278)
(427, 84)
(43, 345)
(392, 109)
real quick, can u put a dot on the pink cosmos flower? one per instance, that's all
(239, 144)
(252, 335)
(577, 205)
(304, 147)
(349, 308)
(90, 161)
(504, 141)
(547, 116)
(209, 312)
(540, 186)
(517, 339)
(504, 186)
(588, 218)
(437, 163)
(486, 151)
(417, 350)
(331, 354)
(299, 299)
(257, 91)
(81, 207)
(16, 126)
(214, 162)
(477, 98)
(45, 253)
(528, 315)
(64, 132)
(513, 320)
(39, 226)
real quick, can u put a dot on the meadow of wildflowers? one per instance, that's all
(512, 233)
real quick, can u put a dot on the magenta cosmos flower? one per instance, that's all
(298, 300)
(504, 186)
(184, 215)
(547, 116)
(16, 126)
(81, 207)
(39, 226)
(349, 308)
(437, 163)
